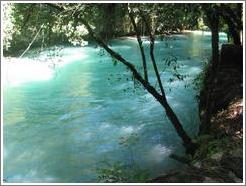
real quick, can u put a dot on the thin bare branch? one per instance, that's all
(140, 43)
(152, 42)
(30, 44)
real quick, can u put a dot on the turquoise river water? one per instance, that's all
(63, 120)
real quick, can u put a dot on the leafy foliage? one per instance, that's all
(22, 20)
(198, 81)
(8, 26)
(119, 173)
(209, 145)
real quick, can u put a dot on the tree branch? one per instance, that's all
(30, 11)
(190, 147)
(140, 43)
(30, 44)
(152, 42)
(188, 144)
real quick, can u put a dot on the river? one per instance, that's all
(62, 121)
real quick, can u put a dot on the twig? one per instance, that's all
(140, 43)
(30, 44)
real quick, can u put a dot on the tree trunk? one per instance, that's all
(215, 41)
(213, 19)
(233, 20)
(190, 147)
(108, 26)
(187, 142)
(234, 33)
(140, 43)
(152, 42)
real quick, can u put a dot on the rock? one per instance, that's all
(234, 164)
(238, 180)
(197, 165)
(217, 173)
(234, 177)
(209, 163)
(182, 159)
(191, 175)
(209, 180)
(238, 152)
(217, 156)
(231, 174)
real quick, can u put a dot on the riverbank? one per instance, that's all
(169, 34)
(219, 158)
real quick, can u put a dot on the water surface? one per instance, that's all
(62, 122)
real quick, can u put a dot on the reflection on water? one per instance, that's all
(61, 128)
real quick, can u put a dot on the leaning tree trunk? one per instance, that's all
(190, 147)
(187, 142)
